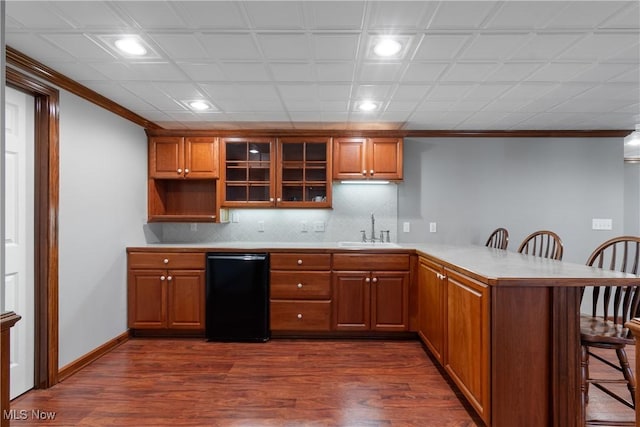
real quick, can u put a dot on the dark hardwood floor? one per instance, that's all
(190, 382)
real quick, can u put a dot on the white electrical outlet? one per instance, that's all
(432, 227)
(304, 227)
(318, 226)
(602, 224)
(406, 227)
(194, 227)
(261, 226)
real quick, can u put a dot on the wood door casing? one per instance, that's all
(432, 307)
(468, 341)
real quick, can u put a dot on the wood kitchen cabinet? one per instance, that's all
(165, 291)
(174, 157)
(432, 306)
(276, 172)
(182, 183)
(371, 292)
(367, 158)
(300, 292)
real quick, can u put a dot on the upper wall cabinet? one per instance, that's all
(183, 180)
(174, 157)
(268, 172)
(367, 158)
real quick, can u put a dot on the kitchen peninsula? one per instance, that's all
(504, 326)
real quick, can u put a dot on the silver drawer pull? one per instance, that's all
(299, 262)
(299, 285)
(166, 260)
(299, 315)
(162, 278)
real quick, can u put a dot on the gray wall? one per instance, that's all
(102, 208)
(632, 199)
(470, 186)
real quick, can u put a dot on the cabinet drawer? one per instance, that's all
(301, 285)
(357, 262)
(300, 315)
(169, 260)
(300, 261)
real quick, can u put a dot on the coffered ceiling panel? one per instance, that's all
(461, 65)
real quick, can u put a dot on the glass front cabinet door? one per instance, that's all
(284, 172)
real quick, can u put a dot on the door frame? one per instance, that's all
(46, 203)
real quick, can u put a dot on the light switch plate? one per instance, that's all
(261, 226)
(304, 226)
(406, 227)
(432, 227)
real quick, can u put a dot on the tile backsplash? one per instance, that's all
(352, 208)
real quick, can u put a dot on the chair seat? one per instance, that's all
(597, 330)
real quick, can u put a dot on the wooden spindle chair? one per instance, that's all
(498, 239)
(611, 307)
(542, 243)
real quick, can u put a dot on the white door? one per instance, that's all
(19, 235)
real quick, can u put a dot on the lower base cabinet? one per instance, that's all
(166, 291)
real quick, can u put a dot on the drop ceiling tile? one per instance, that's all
(302, 105)
(305, 116)
(336, 116)
(90, 15)
(541, 105)
(335, 15)
(339, 105)
(231, 105)
(397, 15)
(604, 72)
(407, 92)
(179, 46)
(545, 46)
(461, 14)
(211, 14)
(524, 14)
(120, 95)
(80, 71)
(584, 14)
(152, 95)
(529, 91)
(275, 14)
(401, 106)
(78, 45)
(469, 72)
(627, 17)
(223, 46)
(487, 91)
(393, 116)
(155, 71)
(202, 72)
(155, 115)
(36, 15)
(333, 92)
(258, 92)
(578, 105)
(284, 46)
(630, 54)
(493, 47)
(335, 47)
(245, 71)
(600, 46)
(180, 91)
(298, 91)
(335, 71)
(161, 15)
(374, 92)
(443, 47)
(424, 72)
(559, 72)
(379, 72)
(226, 91)
(506, 105)
(470, 105)
(430, 106)
(448, 92)
(612, 91)
(514, 71)
(292, 72)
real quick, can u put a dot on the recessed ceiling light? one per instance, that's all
(131, 46)
(367, 106)
(387, 47)
(199, 105)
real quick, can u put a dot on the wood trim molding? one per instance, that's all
(92, 356)
(7, 320)
(31, 66)
(46, 182)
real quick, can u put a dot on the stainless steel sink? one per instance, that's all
(367, 245)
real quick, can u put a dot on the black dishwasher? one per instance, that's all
(237, 300)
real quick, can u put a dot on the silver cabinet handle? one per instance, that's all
(371, 171)
(299, 262)
(278, 199)
(186, 171)
(299, 285)
(162, 278)
(375, 280)
(166, 260)
(179, 170)
(364, 172)
(169, 278)
(299, 315)
(367, 280)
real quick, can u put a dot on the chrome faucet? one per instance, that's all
(373, 239)
(373, 228)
